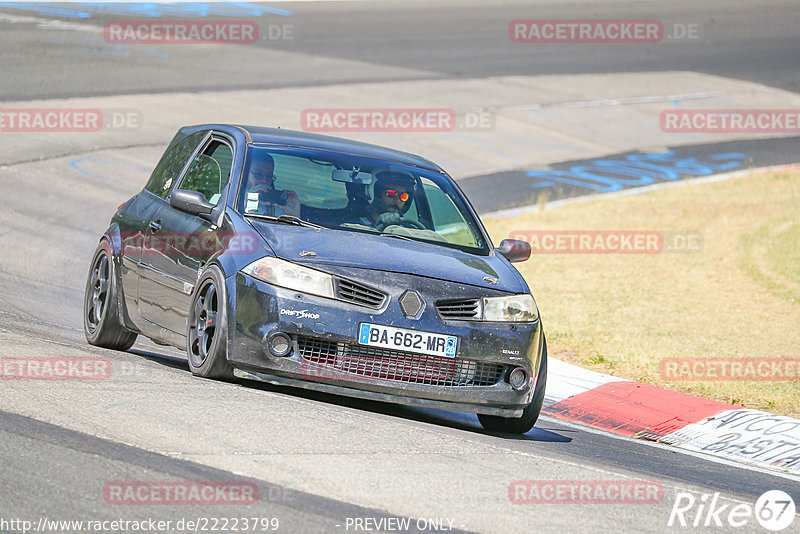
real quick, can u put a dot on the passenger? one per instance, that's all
(261, 196)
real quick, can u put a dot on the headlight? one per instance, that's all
(291, 276)
(513, 309)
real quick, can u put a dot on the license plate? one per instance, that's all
(389, 337)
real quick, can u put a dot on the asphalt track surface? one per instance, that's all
(317, 459)
(739, 39)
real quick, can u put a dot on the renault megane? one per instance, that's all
(323, 263)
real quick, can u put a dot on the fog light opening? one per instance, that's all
(280, 345)
(518, 378)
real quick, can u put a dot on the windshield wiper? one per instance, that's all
(293, 219)
(285, 219)
(399, 236)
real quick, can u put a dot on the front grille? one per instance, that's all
(459, 309)
(387, 364)
(359, 294)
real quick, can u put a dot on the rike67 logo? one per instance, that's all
(774, 510)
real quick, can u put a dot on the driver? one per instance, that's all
(262, 197)
(393, 194)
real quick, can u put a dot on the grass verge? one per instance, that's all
(736, 295)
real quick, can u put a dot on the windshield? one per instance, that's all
(357, 194)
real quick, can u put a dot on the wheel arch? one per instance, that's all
(113, 236)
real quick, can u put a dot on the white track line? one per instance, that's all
(648, 443)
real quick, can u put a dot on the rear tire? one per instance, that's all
(521, 425)
(101, 322)
(207, 329)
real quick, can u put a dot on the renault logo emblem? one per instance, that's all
(411, 304)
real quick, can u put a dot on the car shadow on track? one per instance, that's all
(445, 418)
(175, 362)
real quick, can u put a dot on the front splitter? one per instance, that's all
(371, 395)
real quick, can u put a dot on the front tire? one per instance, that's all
(101, 321)
(206, 337)
(521, 425)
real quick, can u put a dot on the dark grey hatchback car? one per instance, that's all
(321, 263)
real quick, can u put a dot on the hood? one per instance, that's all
(384, 253)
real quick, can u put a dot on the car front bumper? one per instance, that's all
(325, 354)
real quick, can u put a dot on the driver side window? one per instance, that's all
(171, 164)
(210, 171)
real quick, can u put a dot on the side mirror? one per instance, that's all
(192, 202)
(515, 250)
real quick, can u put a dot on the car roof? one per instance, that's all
(279, 136)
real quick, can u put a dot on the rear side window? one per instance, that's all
(171, 164)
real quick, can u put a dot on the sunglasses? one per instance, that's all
(395, 193)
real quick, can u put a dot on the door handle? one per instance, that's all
(154, 226)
